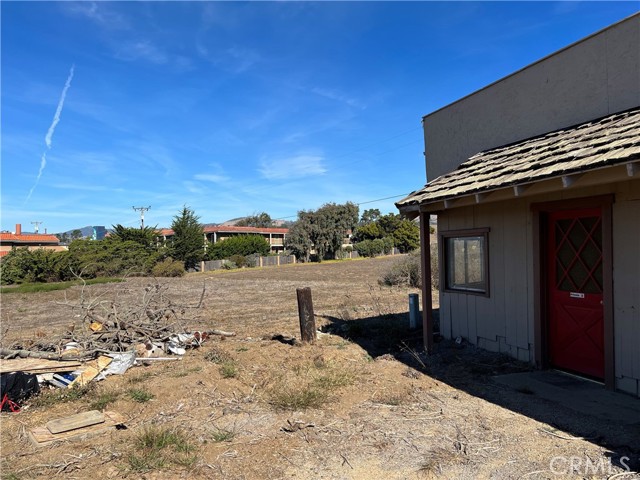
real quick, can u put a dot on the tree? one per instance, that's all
(298, 240)
(187, 244)
(76, 234)
(368, 231)
(324, 229)
(407, 236)
(260, 220)
(63, 237)
(145, 236)
(111, 257)
(392, 230)
(369, 216)
(389, 223)
(333, 224)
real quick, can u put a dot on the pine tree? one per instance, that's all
(187, 244)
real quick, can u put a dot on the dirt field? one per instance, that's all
(359, 404)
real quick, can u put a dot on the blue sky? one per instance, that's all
(234, 108)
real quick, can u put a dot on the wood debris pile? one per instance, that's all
(111, 322)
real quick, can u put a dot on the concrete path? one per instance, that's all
(578, 394)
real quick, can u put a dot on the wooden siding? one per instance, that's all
(626, 281)
(500, 322)
(504, 321)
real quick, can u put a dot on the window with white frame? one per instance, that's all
(466, 261)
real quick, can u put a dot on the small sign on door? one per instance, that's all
(576, 295)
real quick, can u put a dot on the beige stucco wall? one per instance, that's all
(504, 321)
(592, 78)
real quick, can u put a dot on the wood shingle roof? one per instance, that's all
(608, 141)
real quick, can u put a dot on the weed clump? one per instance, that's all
(157, 447)
(102, 400)
(49, 398)
(223, 435)
(311, 385)
(140, 396)
(229, 369)
(301, 398)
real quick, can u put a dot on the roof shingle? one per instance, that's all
(6, 237)
(611, 140)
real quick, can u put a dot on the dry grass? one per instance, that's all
(158, 447)
(307, 385)
(316, 410)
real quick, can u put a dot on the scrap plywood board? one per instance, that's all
(37, 365)
(80, 420)
(41, 436)
(91, 370)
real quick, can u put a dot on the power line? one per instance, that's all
(360, 203)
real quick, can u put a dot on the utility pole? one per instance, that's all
(36, 224)
(141, 210)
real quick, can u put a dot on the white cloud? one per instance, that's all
(142, 50)
(100, 14)
(147, 51)
(338, 97)
(234, 60)
(210, 177)
(241, 59)
(302, 165)
(193, 188)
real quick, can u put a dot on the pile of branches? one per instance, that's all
(116, 324)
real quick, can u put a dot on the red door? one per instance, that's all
(576, 314)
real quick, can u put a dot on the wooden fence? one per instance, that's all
(272, 260)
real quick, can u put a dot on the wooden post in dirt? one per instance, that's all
(305, 312)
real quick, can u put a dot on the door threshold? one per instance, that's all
(580, 377)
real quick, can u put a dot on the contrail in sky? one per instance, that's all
(52, 128)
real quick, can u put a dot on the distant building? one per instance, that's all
(274, 236)
(9, 241)
(99, 233)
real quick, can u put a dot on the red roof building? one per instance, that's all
(9, 241)
(218, 233)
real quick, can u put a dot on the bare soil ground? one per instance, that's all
(359, 404)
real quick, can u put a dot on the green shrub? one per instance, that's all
(239, 260)
(387, 245)
(168, 268)
(111, 257)
(370, 248)
(239, 245)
